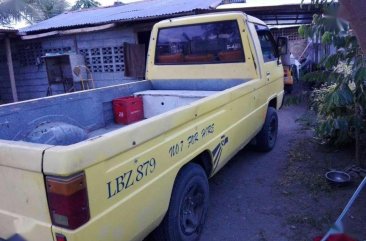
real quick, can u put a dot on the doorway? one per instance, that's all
(144, 38)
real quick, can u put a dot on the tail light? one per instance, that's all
(286, 72)
(60, 237)
(68, 200)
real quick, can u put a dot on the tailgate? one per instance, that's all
(23, 202)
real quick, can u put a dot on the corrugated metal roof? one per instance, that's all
(279, 12)
(134, 11)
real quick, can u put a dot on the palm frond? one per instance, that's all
(17, 10)
(83, 4)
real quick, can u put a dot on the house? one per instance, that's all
(98, 34)
(111, 41)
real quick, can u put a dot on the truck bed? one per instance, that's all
(79, 116)
(157, 102)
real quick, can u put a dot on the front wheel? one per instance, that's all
(267, 137)
(188, 206)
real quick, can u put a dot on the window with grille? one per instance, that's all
(291, 33)
(104, 59)
(29, 54)
(99, 60)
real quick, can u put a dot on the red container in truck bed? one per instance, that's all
(127, 110)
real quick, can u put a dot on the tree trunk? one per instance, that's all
(354, 11)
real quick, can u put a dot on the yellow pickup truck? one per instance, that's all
(70, 173)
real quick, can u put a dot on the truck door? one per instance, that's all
(273, 70)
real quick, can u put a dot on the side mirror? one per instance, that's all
(282, 44)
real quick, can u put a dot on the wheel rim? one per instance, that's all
(192, 210)
(272, 132)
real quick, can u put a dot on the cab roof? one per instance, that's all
(210, 17)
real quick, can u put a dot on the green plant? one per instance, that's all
(83, 4)
(317, 78)
(304, 31)
(340, 90)
(51, 8)
(327, 38)
(17, 10)
(30, 10)
(341, 105)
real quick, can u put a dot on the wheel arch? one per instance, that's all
(204, 159)
(273, 102)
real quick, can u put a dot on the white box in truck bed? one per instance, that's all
(157, 102)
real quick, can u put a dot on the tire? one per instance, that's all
(56, 133)
(188, 207)
(266, 139)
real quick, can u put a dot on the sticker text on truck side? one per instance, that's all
(131, 177)
(191, 140)
(218, 150)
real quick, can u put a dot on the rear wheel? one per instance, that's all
(266, 139)
(188, 206)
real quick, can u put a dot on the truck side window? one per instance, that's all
(208, 43)
(268, 44)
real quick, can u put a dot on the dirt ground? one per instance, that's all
(283, 195)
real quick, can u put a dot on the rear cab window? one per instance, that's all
(206, 43)
(267, 42)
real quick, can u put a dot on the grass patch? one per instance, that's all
(296, 99)
(307, 121)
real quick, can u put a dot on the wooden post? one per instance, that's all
(11, 69)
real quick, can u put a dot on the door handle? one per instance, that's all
(268, 74)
